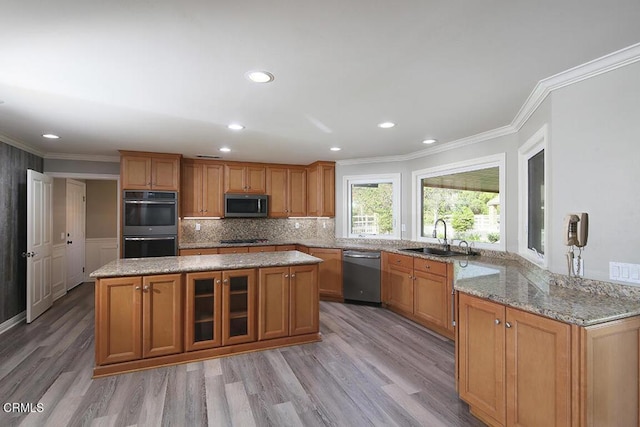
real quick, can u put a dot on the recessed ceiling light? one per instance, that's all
(235, 126)
(225, 149)
(260, 76)
(386, 125)
(50, 136)
(429, 141)
(335, 148)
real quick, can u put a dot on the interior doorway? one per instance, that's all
(75, 232)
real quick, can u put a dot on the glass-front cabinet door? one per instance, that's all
(204, 310)
(238, 306)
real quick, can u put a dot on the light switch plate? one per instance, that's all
(197, 226)
(625, 272)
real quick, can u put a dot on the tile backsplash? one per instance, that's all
(298, 229)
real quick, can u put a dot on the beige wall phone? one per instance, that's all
(576, 229)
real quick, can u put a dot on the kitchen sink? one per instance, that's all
(432, 251)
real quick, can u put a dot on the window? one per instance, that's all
(532, 185)
(372, 206)
(467, 196)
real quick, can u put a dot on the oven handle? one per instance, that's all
(150, 202)
(149, 238)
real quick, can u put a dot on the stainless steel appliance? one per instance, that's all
(150, 246)
(245, 205)
(150, 224)
(361, 276)
(150, 213)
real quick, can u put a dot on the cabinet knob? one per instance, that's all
(427, 266)
(286, 275)
(293, 275)
(218, 281)
(497, 321)
(397, 261)
(226, 281)
(508, 325)
(146, 288)
(137, 288)
(410, 277)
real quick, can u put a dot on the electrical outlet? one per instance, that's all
(297, 225)
(197, 226)
(625, 272)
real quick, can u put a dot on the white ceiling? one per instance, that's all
(168, 76)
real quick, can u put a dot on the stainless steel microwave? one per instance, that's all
(245, 206)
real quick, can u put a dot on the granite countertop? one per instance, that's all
(187, 264)
(501, 279)
(510, 283)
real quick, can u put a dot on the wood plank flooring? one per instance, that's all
(372, 368)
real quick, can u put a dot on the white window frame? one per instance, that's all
(536, 143)
(497, 160)
(395, 180)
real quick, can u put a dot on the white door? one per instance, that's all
(76, 192)
(39, 243)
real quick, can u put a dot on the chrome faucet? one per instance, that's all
(445, 244)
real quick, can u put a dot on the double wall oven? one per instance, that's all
(150, 224)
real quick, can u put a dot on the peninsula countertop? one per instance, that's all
(193, 263)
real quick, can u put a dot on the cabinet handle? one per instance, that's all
(427, 266)
(410, 277)
(508, 325)
(293, 275)
(137, 288)
(497, 321)
(225, 281)
(286, 275)
(397, 261)
(146, 288)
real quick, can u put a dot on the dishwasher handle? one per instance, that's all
(361, 255)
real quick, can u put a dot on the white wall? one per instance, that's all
(595, 166)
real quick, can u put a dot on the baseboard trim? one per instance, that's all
(15, 320)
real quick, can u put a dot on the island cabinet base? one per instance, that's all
(199, 355)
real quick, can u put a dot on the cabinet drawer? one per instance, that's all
(400, 260)
(202, 251)
(429, 266)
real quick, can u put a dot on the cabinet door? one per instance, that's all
(162, 315)
(400, 288)
(191, 190)
(234, 178)
(297, 192)
(430, 298)
(118, 320)
(165, 173)
(238, 306)
(136, 172)
(256, 179)
(538, 360)
(203, 317)
(304, 314)
(481, 353)
(212, 190)
(329, 271)
(273, 302)
(277, 183)
(327, 194)
(313, 205)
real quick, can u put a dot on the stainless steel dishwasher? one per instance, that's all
(361, 276)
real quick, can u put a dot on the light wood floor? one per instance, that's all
(372, 368)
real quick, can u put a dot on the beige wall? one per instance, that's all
(102, 209)
(59, 210)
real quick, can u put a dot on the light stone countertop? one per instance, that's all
(193, 263)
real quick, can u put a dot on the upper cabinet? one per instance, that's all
(321, 189)
(201, 193)
(150, 171)
(244, 178)
(287, 190)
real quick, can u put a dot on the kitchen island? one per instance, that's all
(160, 311)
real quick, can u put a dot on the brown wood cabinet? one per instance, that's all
(287, 190)
(138, 317)
(244, 178)
(286, 248)
(257, 249)
(203, 318)
(287, 301)
(515, 367)
(149, 171)
(201, 192)
(233, 250)
(419, 289)
(329, 273)
(321, 189)
(238, 306)
(203, 251)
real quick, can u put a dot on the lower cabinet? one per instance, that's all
(329, 273)
(287, 301)
(521, 369)
(139, 317)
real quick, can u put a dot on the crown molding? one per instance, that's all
(20, 145)
(82, 157)
(596, 67)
